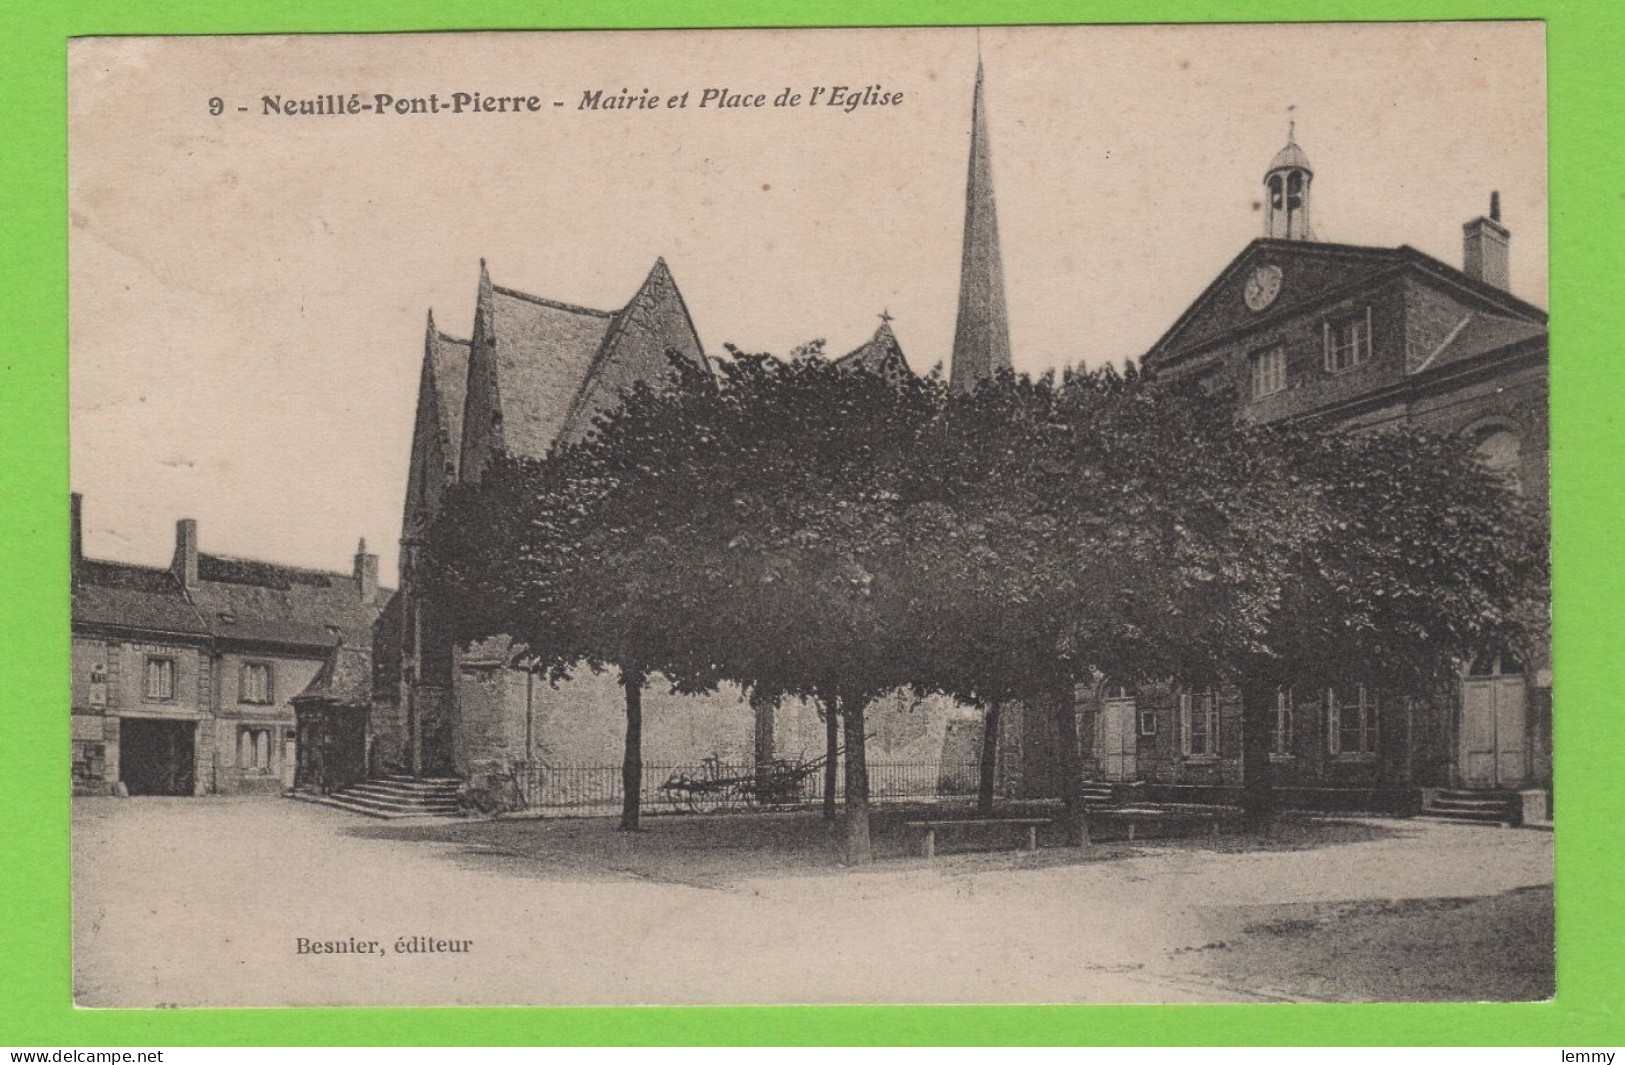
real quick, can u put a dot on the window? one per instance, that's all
(1488, 665)
(1269, 371)
(1351, 716)
(1502, 452)
(160, 678)
(1281, 732)
(1199, 724)
(1148, 722)
(1348, 342)
(254, 683)
(254, 749)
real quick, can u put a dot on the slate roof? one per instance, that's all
(448, 361)
(345, 678)
(543, 353)
(236, 599)
(552, 365)
(1479, 334)
(119, 595)
(881, 353)
(262, 602)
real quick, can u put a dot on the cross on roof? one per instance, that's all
(885, 316)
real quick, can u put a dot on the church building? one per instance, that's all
(532, 371)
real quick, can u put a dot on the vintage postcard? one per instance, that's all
(944, 515)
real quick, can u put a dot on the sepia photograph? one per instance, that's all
(1018, 515)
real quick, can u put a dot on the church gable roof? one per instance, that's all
(541, 352)
(653, 322)
(880, 354)
(437, 431)
(539, 369)
(448, 361)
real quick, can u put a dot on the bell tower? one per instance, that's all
(1286, 187)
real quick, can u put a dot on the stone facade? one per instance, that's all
(1350, 338)
(534, 371)
(182, 678)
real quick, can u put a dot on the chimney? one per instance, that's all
(366, 573)
(184, 564)
(1484, 247)
(76, 533)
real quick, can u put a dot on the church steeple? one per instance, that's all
(1286, 185)
(982, 334)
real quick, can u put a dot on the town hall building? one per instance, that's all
(1354, 338)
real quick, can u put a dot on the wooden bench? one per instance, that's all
(1131, 813)
(929, 849)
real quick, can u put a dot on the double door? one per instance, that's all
(1494, 726)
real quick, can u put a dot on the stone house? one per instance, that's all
(183, 678)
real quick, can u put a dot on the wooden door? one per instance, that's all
(1118, 741)
(1494, 749)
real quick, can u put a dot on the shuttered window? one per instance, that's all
(160, 678)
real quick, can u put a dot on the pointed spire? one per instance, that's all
(982, 333)
(659, 274)
(483, 307)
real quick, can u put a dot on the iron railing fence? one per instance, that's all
(715, 785)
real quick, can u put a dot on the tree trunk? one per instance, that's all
(632, 760)
(1257, 774)
(989, 761)
(859, 849)
(762, 711)
(832, 755)
(1069, 761)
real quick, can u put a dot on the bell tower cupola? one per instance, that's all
(1286, 187)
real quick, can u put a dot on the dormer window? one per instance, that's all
(1348, 341)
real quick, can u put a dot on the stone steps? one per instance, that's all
(393, 797)
(1096, 793)
(1481, 807)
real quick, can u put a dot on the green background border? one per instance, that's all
(1587, 100)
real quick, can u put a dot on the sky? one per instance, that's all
(248, 291)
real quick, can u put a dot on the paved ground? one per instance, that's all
(200, 902)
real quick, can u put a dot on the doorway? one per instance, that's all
(1118, 737)
(1494, 744)
(157, 757)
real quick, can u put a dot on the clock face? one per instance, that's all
(1263, 286)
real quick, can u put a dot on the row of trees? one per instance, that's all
(811, 530)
